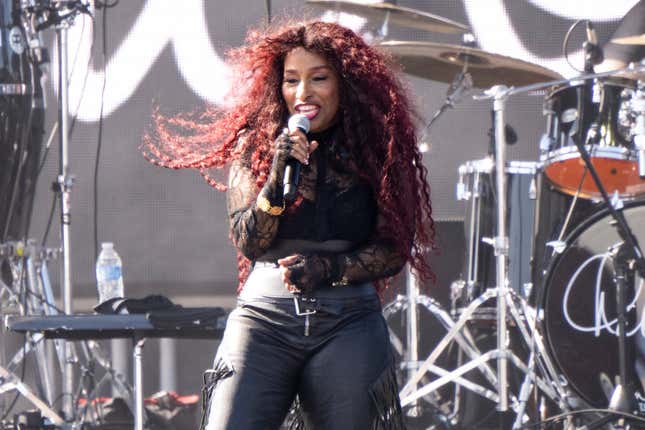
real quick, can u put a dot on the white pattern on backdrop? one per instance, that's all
(204, 71)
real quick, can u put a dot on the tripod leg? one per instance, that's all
(17, 384)
(34, 307)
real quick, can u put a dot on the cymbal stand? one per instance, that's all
(505, 304)
(465, 340)
(408, 303)
(31, 291)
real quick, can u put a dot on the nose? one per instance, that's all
(303, 90)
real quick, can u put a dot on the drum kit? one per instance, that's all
(567, 347)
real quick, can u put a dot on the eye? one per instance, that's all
(290, 81)
(320, 78)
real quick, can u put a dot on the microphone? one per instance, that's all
(593, 52)
(462, 83)
(292, 169)
(591, 34)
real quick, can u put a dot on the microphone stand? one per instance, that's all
(462, 83)
(267, 4)
(61, 16)
(64, 183)
(629, 256)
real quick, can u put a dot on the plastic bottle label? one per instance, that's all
(109, 273)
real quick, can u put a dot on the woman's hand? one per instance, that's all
(301, 148)
(288, 145)
(286, 265)
(305, 273)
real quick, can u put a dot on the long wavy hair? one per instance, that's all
(376, 119)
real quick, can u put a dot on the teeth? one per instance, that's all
(307, 108)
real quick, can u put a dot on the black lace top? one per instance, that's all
(336, 205)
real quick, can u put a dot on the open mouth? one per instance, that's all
(310, 111)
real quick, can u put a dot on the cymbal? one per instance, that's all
(442, 62)
(634, 71)
(639, 39)
(396, 14)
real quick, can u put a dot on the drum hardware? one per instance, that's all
(13, 89)
(638, 107)
(409, 303)
(463, 340)
(623, 398)
(29, 269)
(507, 309)
(398, 15)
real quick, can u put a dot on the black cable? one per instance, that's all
(87, 72)
(44, 301)
(50, 220)
(565, 52)
(20, 144)
(100, 130)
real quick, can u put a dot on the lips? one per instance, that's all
(308, 110)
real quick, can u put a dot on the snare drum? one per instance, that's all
(597, 116)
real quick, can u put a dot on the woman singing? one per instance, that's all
(308, 328)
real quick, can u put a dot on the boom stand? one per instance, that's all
(502, 354)
(64, 187)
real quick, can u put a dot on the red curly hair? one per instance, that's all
(376, 120)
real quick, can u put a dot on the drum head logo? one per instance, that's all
(16, 41)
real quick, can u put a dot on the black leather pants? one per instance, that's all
(337, 361)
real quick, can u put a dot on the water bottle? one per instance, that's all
(109, 273)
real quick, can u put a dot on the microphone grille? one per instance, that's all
(299, 121)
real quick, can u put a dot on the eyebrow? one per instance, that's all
(315, 68)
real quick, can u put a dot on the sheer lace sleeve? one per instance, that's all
(376, 260)
(252, 230)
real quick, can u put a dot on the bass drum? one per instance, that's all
(579, 304)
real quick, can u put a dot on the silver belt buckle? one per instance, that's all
(296, 302)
